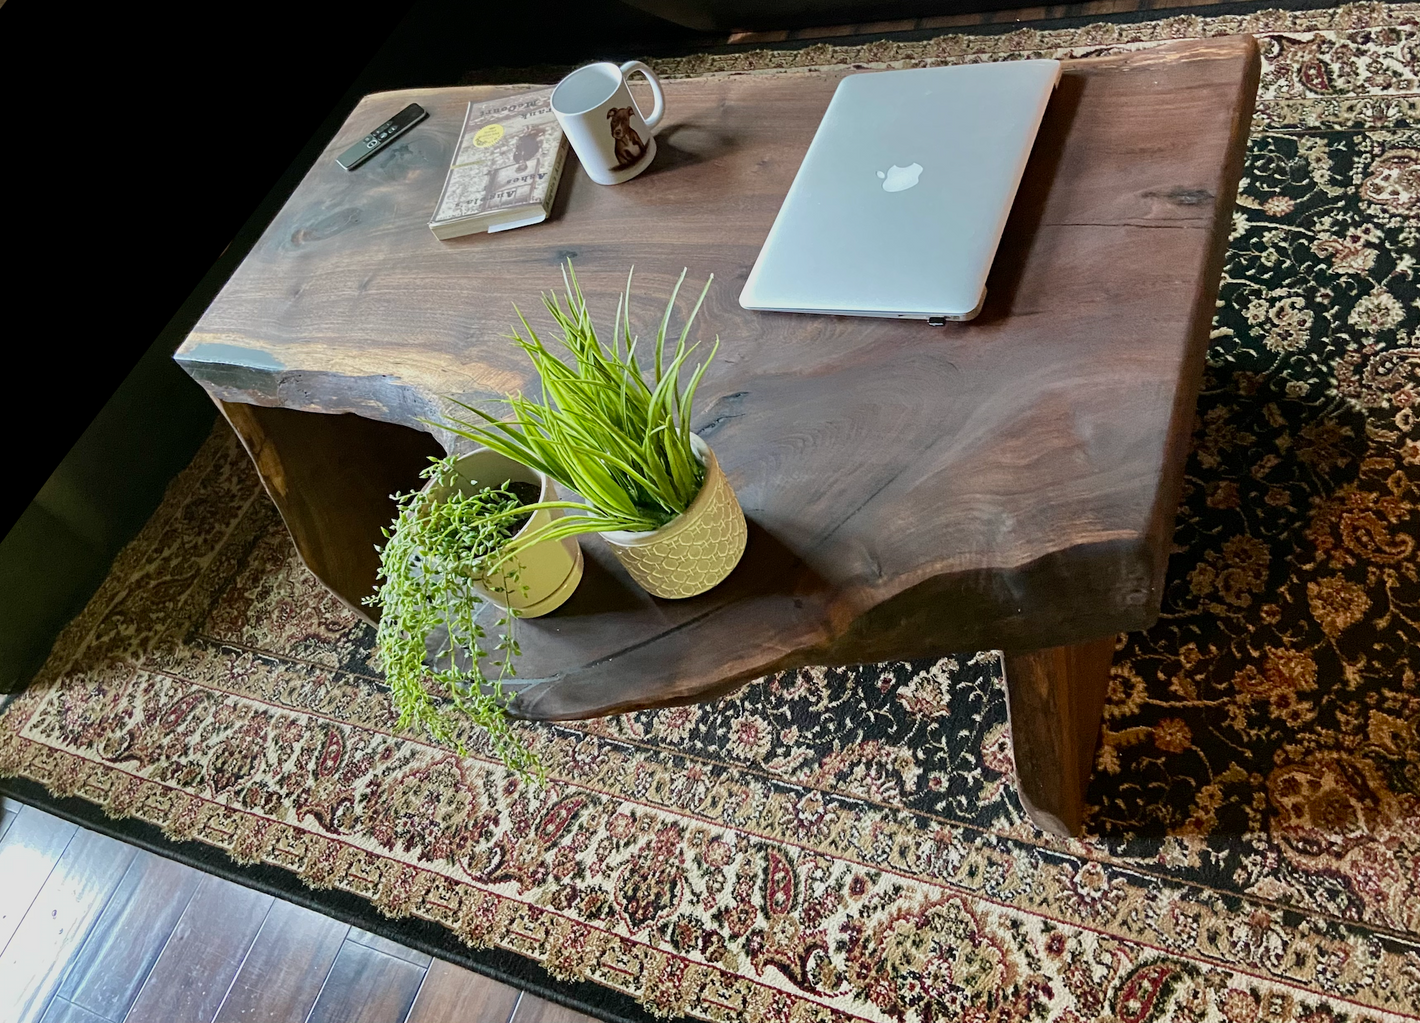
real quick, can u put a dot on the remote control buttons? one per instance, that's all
(380, 137)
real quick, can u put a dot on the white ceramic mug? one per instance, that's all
(605, 126)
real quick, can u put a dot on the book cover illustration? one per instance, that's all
(509, 156)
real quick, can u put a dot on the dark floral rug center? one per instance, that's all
(848, 844)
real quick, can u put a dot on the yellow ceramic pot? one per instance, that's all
(546, 573)
(696, 549)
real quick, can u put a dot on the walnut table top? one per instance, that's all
(1009, 483)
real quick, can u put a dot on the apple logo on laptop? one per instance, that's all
(898, 179)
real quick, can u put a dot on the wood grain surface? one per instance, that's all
(450, 992)
(532, 1009)
(62, 1011)
(32, 846)
(365, 986)
(1054, 699)
(391, 948)
(103, 922)
(140, 917)
(56, 924)
(197, 965)
(332, 477)
(285, 969)
(1009, 483)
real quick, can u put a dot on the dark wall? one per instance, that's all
(150, 135)
(728, 15)
(154, 143)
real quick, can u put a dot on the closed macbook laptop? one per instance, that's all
(901, 199)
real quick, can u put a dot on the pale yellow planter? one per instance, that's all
(548, 572)
(695, 550)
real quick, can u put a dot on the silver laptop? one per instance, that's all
(901, 199)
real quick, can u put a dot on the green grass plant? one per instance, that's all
(612, 424)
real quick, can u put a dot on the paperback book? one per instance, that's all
(505, 168)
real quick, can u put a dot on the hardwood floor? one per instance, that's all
(96, 931)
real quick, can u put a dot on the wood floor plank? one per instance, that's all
(286, 967)
(196, 967)
(532, 1009)
(29, 852)
(452, 993)
(366, 986)
(63, 1011)
(130, 935)
(389, 947)
(60, 918)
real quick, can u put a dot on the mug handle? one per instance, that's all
(658, 110)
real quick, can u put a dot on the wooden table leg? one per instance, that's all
(1055, 698)
(331, 477)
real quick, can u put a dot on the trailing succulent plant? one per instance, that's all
(442, 540)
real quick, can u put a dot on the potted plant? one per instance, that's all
(622, 442)
(619, 436)
(531, 579)
(454, 547)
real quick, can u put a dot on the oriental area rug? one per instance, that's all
(847, 844)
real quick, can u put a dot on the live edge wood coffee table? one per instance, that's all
(1005, 484)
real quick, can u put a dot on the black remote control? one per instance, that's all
(382, 136)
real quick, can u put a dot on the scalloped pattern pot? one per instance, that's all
(694, 552)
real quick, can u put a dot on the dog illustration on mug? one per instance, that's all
(629, 148)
